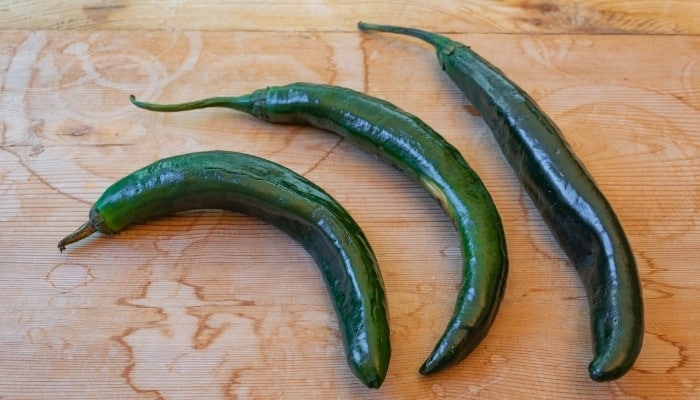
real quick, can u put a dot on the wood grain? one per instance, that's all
(477, 16)
(219, 305)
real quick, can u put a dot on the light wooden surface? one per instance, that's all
(217, 305)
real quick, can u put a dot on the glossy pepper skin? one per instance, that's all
(411, 145)
(578, 215)
(266, 190)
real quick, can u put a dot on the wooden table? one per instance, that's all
(219, 305)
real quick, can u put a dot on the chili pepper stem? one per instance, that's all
(82, 232)
(240, 103)
(439, 42)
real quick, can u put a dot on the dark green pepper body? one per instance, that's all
(577, 213)
(412, 146)
(257, 187)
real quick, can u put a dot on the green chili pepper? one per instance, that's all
(277, 195)
(577, 213)
(411, 145)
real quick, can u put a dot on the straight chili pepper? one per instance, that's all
(277, 195)
(578, 215)
(411, 145)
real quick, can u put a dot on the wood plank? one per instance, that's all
(194, 306)
(478, 16)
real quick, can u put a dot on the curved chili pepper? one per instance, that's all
(577, 213)
(277, 195)
(415, 148)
